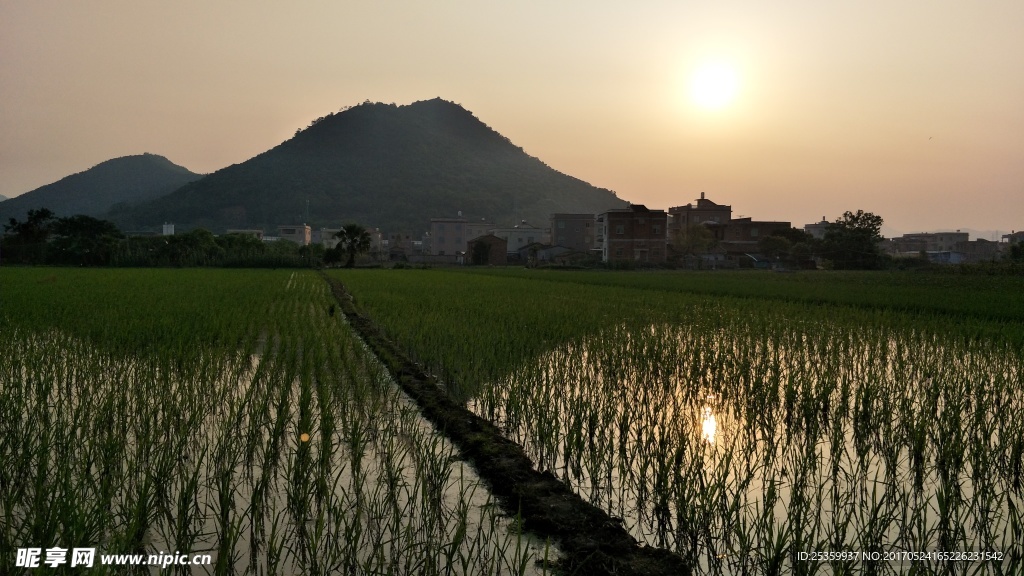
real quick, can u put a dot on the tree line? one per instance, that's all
(849, 243)
(43, 238)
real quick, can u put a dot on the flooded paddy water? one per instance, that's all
(740, 447)
(291, 452)
(818, 423)
(234, 413)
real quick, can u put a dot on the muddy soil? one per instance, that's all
(590, 540)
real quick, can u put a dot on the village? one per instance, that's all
(701, 234)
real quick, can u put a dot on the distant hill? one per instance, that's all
(128, 180)
(975, 234)
(379, 165)
(990, 235)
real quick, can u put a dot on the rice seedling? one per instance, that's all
(742, 432)
(224, 413)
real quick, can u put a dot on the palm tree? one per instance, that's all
(353, 240)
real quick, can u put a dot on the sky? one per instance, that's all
(913, 110)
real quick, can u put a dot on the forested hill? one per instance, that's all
(379, 165)
(129, 179)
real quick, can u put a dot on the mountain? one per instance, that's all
(379, 165)
(974, 234)
(130, 179)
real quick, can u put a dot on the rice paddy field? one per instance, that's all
(228, 413)
(825, 423)
(822, 423)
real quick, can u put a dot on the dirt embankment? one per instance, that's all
(591, 541)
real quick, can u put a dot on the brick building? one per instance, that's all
(748, 230)
(635, 234)
(702, 211)
(574, 231)
(487, 250)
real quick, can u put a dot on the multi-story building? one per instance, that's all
(944, 247)
(447, 236)
(1013, 237)
(636, 233)
(929, 241)
(300, 234)
(748, 230)
(818, 229)
(979, 250)
(450, 236)
(401, 241)
(522, 234)
(701, 212)
(574, 231)
(717, 218)
(325, 236)
(377, 244)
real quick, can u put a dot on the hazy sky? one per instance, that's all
(912, 109)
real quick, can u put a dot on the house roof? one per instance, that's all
(489, 238)
(633, 209)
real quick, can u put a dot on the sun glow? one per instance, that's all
(709, 426)
(714, 86)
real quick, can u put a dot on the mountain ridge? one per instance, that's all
(380, 165)
(94, 191)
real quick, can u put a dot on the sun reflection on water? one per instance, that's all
(709, 426)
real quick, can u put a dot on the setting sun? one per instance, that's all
(713, 86)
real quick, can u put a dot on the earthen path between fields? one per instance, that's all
(590, 540)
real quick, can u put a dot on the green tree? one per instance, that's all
(1017, 252)
(332, 256)
(26, 242)
(851, 242)
(353, 240)
(801, 253)
(241, 244)
(312, 254)
(794, 235)
(35, 228)
(84, 240)
(774, 247)
(194, 248)
(696, 239)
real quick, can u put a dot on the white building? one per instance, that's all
(522, 234)
(300, 234)
(325, 236)
(817, 230)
